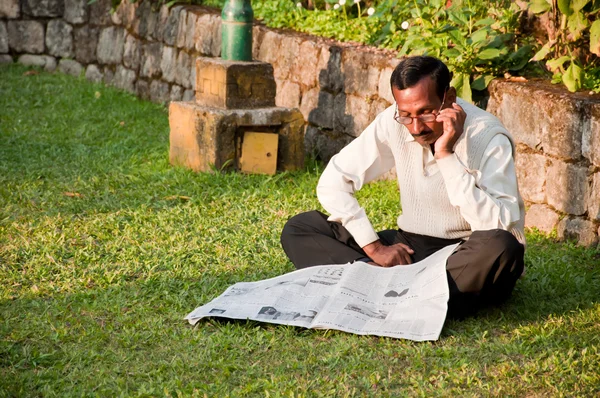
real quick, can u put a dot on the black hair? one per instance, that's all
(412, 69)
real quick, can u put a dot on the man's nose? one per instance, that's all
(417, 126)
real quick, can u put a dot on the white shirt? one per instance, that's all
(487, 198)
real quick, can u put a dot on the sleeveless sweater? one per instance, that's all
(426, 208)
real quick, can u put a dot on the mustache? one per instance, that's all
(422, 133)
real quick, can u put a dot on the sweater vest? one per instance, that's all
(426, 208)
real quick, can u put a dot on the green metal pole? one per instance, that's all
(237, 17)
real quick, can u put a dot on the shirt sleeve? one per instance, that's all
(487, 198)
(363, 160)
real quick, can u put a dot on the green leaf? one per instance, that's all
(539, 6)
(451, 53)
(479, 36)
(572, 77)
(461, 83)
(556, 65)
(489, 53)
(579, 4)
(577, 23)
(595, 38)
(544, 51)
(482, 82)
(485, 22)
(565, 7)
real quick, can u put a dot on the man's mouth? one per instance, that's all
(422, 134)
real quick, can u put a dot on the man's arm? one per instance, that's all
(487, 198)
(363, 160)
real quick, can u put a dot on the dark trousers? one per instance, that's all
(482, 271)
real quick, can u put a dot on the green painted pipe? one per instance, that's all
(237, 17)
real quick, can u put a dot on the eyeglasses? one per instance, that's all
(425, 118)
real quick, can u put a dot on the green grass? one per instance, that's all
(102, 255)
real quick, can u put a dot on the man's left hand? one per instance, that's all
(453, 120)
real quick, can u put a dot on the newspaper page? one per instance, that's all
(407, 301)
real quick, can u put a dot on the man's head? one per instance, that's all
(421, 88)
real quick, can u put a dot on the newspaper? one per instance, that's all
(408, 301)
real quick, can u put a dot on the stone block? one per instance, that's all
(591, 136)
(515, 106)
(258, 33)
(3, 38)
(360, 75)
(310, 102)
(566, 187)
(5, 59)
(43, 61)
(541, 217)
(182, 29)
(171, 28)
(531, 174)
(145, 20)
(93, 73)
(86, 43)
(189, 95)
(132, 52)
(110, 45)
(269, 47)
(385, 89)
(288, 94)
(329, 68)
(176, 93)
(59, 38)
(159, 91)
(125, 79)
(582, 231)
(351, 114)
(183, 69)
(541, 116)
(233, 84)
(323, 144)
(376, 107)
(305, 65)
(203, 138)
(43, 8)
(168, 63)
(207, 35)
(288, 52)
(70, 67)
(26, 36)
(189, 43)
(142, 88)
(593, 198)
(109, 75)
(163, 16)
(9, 9)
(76, 11)
(322, 114)
(99, 12)
(151, 59)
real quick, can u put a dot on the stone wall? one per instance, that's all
(558, 160)
(338, 87)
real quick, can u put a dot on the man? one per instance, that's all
(456, 175)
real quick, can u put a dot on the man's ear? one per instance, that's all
(451, 95)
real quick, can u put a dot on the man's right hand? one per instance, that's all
(388, 256)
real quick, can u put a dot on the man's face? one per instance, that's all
(419, 100)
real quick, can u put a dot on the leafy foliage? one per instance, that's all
(573, 46)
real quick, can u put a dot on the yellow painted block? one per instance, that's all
(259, 153)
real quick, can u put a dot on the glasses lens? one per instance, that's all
(428, 118)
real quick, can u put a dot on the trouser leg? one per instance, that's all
(483, 271)
(309, 239)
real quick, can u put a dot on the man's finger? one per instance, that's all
(407, 248)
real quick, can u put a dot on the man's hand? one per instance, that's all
(388, 256)
(454, 122)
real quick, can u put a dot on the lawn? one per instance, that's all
(104, 248)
